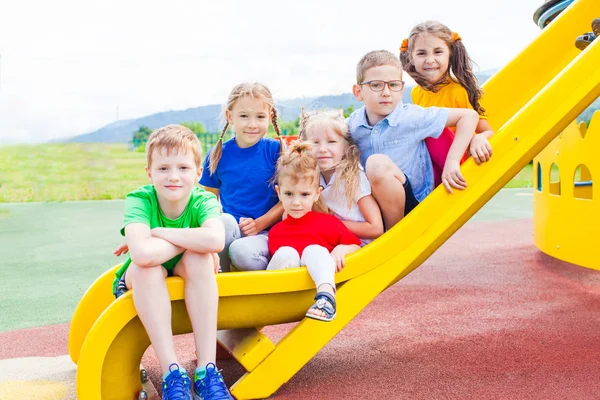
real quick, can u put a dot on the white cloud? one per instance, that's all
(67, 65)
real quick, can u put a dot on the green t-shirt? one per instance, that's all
(141, 206)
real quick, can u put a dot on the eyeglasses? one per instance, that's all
(378, 86)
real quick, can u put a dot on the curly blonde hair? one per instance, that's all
(347, 171)
(256, 91)
(298, 163)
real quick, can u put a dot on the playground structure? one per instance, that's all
(566, 211)
(529, 101)
(566, 217)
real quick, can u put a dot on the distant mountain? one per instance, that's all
(121, 131)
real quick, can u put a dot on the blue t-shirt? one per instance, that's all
(244, 178)
(401, 137)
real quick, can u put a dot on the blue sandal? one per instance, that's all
(584, 40)
(323, 302)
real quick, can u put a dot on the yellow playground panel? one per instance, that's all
(567, 195)
(530, 101)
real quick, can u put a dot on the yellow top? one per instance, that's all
(452, 95)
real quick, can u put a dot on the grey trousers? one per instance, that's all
(248, 253)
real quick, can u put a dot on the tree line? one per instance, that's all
(209, 139)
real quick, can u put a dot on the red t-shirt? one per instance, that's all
(313, 228)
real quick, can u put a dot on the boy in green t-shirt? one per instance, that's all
(173, 227)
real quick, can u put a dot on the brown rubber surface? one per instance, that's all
(487, 316)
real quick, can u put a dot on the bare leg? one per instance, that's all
(201, 300)
(153, 306)
(386, 186)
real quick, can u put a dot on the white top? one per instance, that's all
(337, 201)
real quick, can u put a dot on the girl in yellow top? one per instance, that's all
(437, 60)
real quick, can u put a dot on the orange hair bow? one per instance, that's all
(404, 46)
(455, 37)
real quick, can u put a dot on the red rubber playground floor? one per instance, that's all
(488, 316)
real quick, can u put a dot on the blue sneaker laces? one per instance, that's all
(176, 385)
(212, 386)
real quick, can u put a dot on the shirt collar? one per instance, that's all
(362, 118)
(392, 119)
(322, 181)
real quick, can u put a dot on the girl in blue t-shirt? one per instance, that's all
(240, 173)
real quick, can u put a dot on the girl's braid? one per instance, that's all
(275, 122)
(217, 152)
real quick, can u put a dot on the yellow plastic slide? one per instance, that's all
(529, 102)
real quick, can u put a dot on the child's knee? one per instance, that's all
(378, 166)
(285, 257)
(286, 252)
(380, 169)
(314, 251)
(228, 220)
(231, 228)
(249, 253)
(144, 275)
(195, 265)
(238, 249)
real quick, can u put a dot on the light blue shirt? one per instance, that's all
(401, 136)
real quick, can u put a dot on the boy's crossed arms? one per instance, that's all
(153, 247)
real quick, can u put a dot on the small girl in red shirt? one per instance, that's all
(306, 237)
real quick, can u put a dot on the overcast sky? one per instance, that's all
(66, 66)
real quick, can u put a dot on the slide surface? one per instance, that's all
(529, 102)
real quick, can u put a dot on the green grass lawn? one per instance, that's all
(73, 171)
(88, 171)
(523, 179)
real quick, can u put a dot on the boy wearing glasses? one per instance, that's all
(390, 137)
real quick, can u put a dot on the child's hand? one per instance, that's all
(339, 256)
(217, 262)
(480, 148)
(248, 226)
(121, 249)
(452, 178)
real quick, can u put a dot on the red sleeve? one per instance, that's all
(273, 240)
(344, 234)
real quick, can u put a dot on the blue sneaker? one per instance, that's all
(212, 386)
(176, 385)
